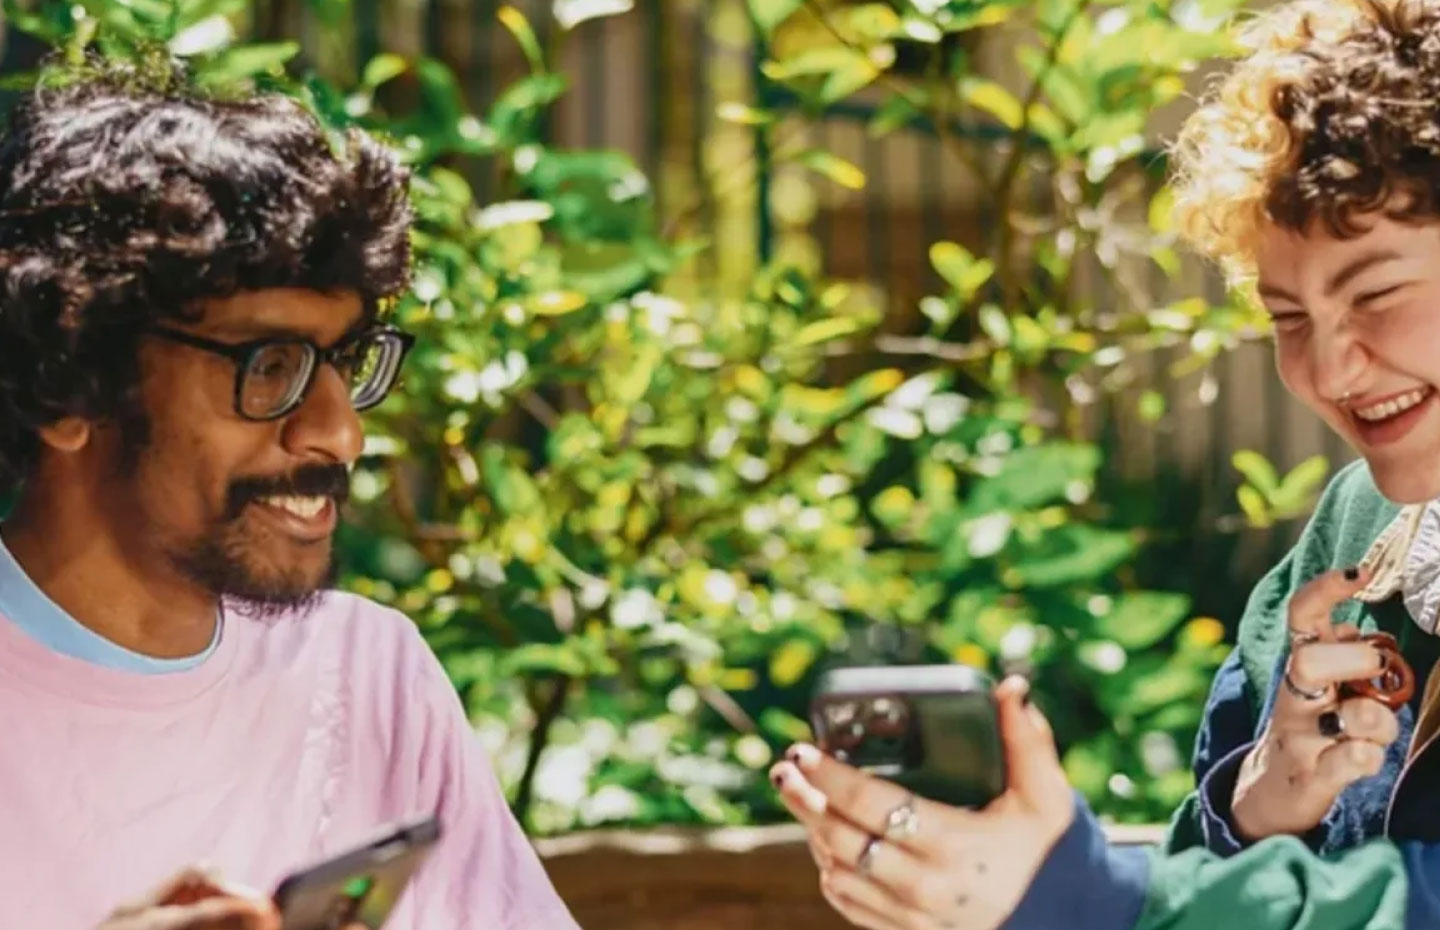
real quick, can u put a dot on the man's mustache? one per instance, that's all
(306, 481)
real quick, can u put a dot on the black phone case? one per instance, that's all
(360, 886)
(930, 728)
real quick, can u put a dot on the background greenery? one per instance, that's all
(636, 508)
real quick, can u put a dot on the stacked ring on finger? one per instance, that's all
(865, 862)
(903, 822)
(1302, 693)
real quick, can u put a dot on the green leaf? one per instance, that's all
(993, 99)
(996, 325)
(897, 111)
(1257, 470)
(1033, 477)
(1140, 619)
(1071, 554)
(791, 661)
(515, 21)
(382, 68)
(544, 658)
(1298, 489)
(769, 14)
(1151, 406)
(246, 61)
(825, 330)
(1087, 768)
(1253, 504)
(832, 166)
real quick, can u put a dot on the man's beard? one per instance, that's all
(220, 564)
(223, 561)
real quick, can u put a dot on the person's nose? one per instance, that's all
(1338, 361)
(325, 425)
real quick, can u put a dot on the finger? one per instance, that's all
(841, 844)
(1320, 665)
(1348, 761)
(1347, 632)
(867, 801)
(1368, 719)
(210, 914)
(190, 884)
(867, 905)
(1310, 607)
(1033, 770)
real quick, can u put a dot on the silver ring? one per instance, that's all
(1303, 638)
(866, 862)
(904, 821)
(1301, 693)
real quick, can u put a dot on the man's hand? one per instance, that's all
(195, 900)
(1314, 745)
(943, 867)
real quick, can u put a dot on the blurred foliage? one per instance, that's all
(634, 527)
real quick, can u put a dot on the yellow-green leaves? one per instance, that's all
(515, 21)
(993, 99)
(960, 269)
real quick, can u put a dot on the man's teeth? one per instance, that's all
(304, 507)
(1389, 408)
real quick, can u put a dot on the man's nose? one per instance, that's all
(325, 425)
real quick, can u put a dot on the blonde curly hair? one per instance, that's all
(1333, 114)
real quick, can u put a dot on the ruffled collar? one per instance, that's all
(1405, 559)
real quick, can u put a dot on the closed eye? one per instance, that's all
(1371, 296)
(1289, 320)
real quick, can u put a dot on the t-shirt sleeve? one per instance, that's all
(484, 874)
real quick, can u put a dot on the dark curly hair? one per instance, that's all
(122, 205)
(1334, 114)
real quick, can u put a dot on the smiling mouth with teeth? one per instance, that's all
(1392, 407)
(304, 507)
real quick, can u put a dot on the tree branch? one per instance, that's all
(545, 717)
(1010, 172)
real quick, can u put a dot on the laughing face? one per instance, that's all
(1357, 338)
(240, 507)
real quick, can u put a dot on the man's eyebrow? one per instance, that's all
(248, 332)
(1344, 276)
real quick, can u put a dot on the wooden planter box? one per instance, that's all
(740, 878)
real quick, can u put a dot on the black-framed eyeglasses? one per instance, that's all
(274, 375)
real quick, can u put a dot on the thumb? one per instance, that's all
(1031, 761)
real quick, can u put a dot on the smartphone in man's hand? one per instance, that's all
(359, 887)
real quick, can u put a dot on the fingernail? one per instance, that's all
(777, 779)
(1352, 573)
(804, 756)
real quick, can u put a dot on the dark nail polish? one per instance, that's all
(1352, 573)
(777, 779)
(792, 755)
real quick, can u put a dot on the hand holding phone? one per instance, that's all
(357, 890)
(931, 728)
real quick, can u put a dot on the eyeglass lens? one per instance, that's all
(278, 373)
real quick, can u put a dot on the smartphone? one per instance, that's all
(359, 886)
(931, 728)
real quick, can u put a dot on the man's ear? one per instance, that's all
(68, 434)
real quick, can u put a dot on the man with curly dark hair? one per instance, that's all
(191, 295)
(1312, 174)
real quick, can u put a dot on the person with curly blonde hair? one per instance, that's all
(1311, 175)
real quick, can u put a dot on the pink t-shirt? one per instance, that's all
(298, 737)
